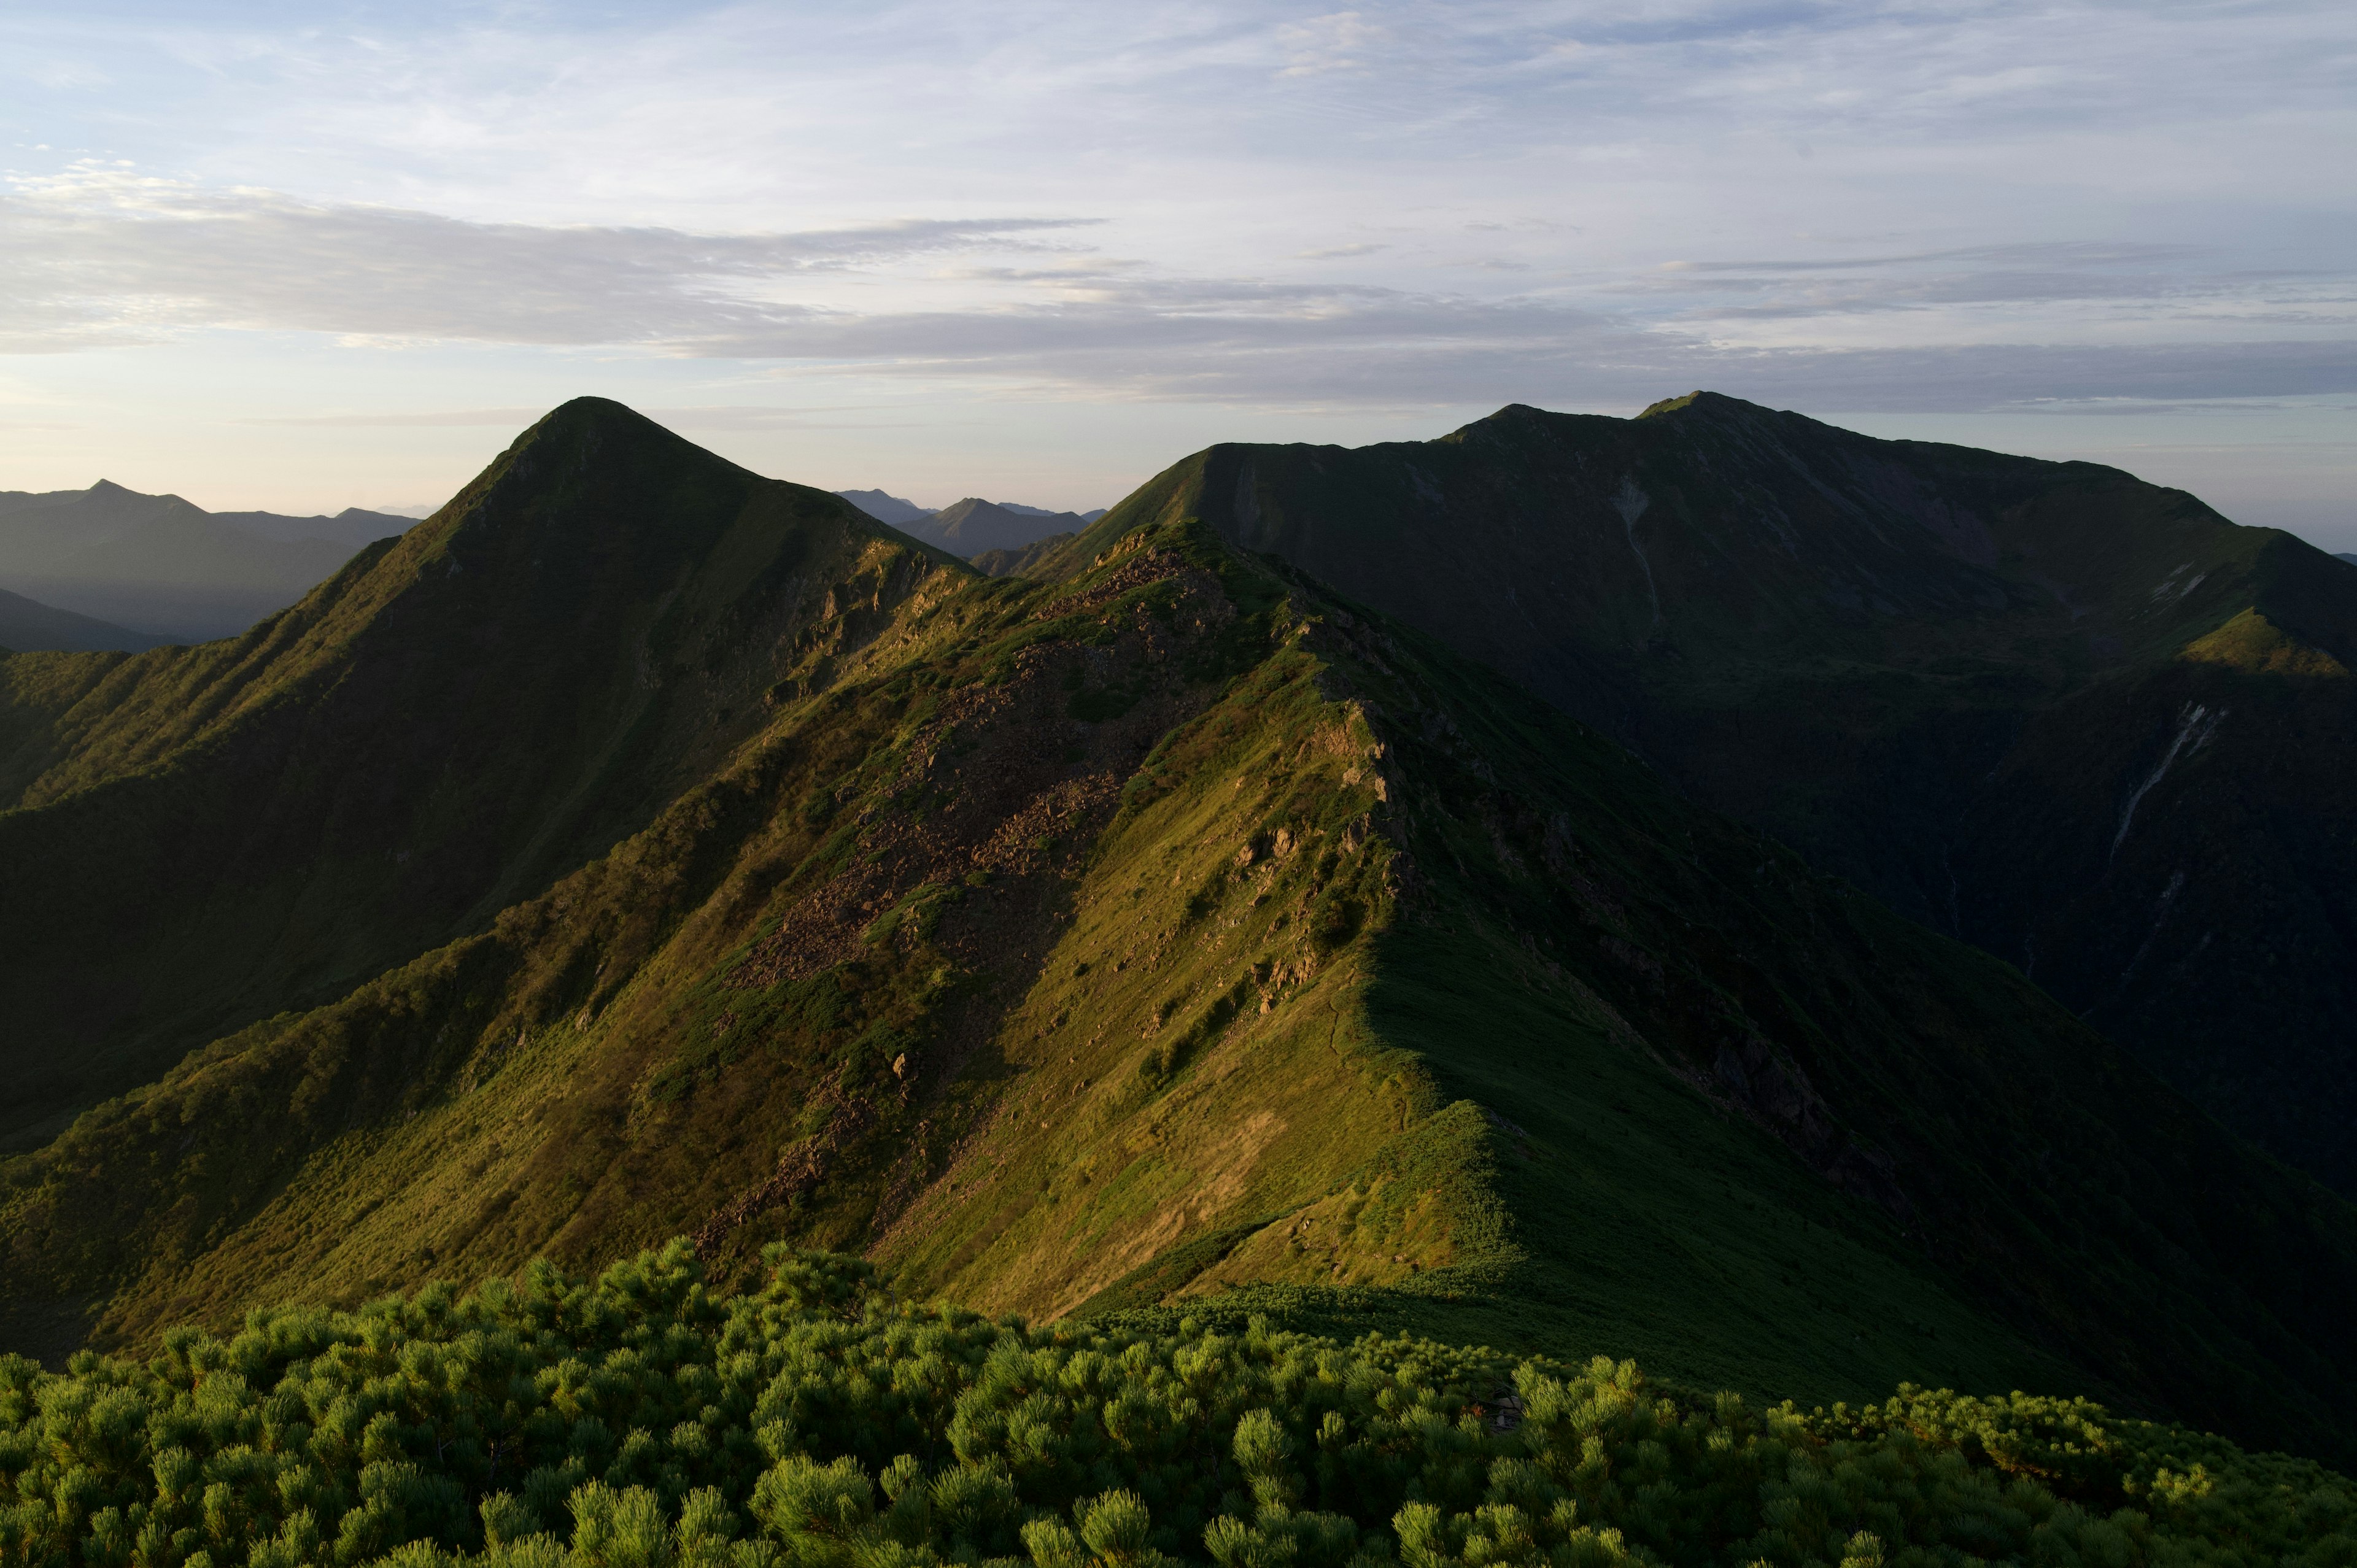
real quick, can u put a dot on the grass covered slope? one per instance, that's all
(644, 1419)
(1627, 1053)
(201, 837)
(2081, 721)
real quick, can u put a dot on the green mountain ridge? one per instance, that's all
(2081, 721)
(642, 848)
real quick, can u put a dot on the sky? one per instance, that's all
(307, 256)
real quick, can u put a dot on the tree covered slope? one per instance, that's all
(1171, 941)
(2078, 720)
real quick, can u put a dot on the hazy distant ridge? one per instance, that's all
(163, 566)
(972, 526)
(27, 625)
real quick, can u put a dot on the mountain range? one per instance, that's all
(2080, 721)
(643, 847)
(973, 526)
(165, 568)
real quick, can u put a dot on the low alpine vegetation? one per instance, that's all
(643, 1421)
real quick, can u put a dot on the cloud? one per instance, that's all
(102, 255)
(1340, 40)
(105, 256)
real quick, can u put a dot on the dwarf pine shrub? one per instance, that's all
(640, 1421)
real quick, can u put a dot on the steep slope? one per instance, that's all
(1173, 940)
(165, 566)
(29, 626)
(2081, 721)
(204, 836)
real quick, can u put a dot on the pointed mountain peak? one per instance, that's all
(598, 421)
(590, 444)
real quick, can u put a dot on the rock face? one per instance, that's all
(643, 848)
(2078, 720)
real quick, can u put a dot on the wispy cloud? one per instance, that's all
(102, 254)
(108, 255)
(1340, 40)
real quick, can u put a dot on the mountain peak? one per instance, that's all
(598, 418)
(594, 409)
(1703, 402)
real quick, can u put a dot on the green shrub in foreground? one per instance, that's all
(641, 1422)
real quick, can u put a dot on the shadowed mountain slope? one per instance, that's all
(29, 626)
(2081, 721)
(1020, 562)
(682, 853)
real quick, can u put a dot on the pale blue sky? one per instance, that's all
(307, 256)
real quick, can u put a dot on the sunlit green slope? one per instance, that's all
(1170, 939)
(2082, 720)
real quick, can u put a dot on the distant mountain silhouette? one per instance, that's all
(886, 509)
(972, 524)
(27, 625)
(164, 567)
